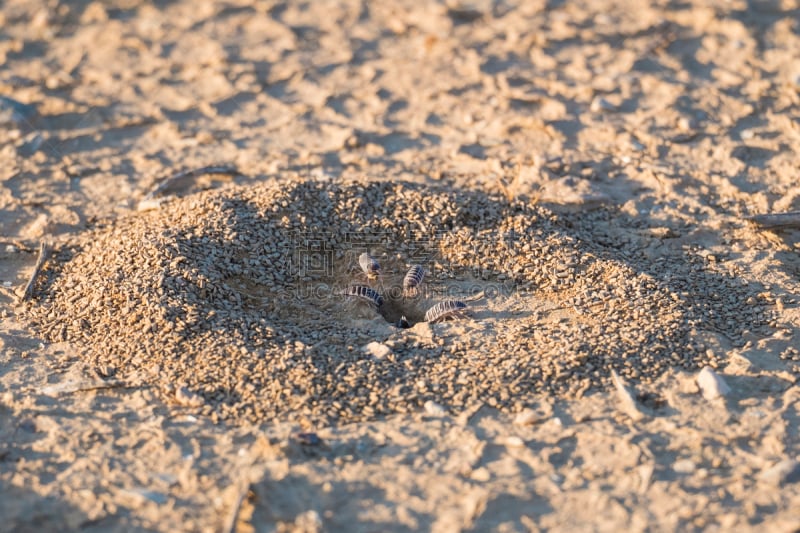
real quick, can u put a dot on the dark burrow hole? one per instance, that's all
(401, 311)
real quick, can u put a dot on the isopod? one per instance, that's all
(446, 310)
(365, 293)
(369, 265)
(412, 280)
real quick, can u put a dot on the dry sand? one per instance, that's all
(581, 171)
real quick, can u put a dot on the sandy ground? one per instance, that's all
(673, 121)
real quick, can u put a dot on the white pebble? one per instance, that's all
(514, 442)
(628, 403)
(481, 474)
(377, 350)
(434, 409)
(526, 417)
(683, 466)
(601, 104)
(711, 384)
(782, 473)
(308, 521)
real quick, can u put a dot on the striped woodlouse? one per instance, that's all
(446, 310)
(413, 280)
(365, 293)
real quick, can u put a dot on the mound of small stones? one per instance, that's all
(230, 298)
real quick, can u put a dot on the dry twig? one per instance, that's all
(180, 179)
(790, 219)
(71, 387)
(230, 522)
(44, 253)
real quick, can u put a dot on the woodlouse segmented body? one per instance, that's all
(446, 310)
(365, 293)
(369, 265)
(413, 280)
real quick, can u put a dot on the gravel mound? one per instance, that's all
(230, 302)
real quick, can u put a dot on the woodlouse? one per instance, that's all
(446, 310)
(365, 293)
(369, 265)
(413, 280)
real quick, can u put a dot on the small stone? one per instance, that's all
(629, 405)
(188, 398)
(137, 497)
(308, 521)
(12, 111)
(783, 473)
(514, 442)
(377, 350)
(481, 475)
(434, 409)
(601, 104)
(526, 417)
(30, 144)
(711, 384)
(683, 466)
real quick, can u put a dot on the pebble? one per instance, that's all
(12, 111)
(526, 417)
(601, 104)
(711, 384)
(683, 466)
(785, 472)
(308, 522)
(377, 350)
(434, 409)
(514, 442)
(137, 497)
(685, 124)
(188, 398)
(30, 144)
(481, 475)
(628, 403)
